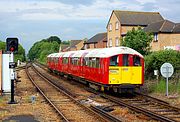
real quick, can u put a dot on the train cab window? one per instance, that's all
(136, 61)
(125, 60)
(114, 60)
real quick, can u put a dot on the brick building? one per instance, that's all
(166, 35)
(122, 21)
(97, 41)
(74, 45)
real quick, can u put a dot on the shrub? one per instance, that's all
(154, 61)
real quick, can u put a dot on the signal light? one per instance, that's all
(12, 44)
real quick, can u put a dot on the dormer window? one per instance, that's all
(110, 27)
(117, 25)
(155, 37)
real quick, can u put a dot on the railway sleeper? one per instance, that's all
(161, 110)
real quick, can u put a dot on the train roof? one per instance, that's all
(108, 52)
(101, 52)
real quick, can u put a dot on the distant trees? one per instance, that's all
(19, 56)
(54, 39)
(41, 49)
(138, 40)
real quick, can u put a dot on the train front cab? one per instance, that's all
(126, 72)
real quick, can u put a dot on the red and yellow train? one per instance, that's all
(116, 68)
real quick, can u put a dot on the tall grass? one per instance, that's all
(160, 87)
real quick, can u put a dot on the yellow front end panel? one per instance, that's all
(125, 75)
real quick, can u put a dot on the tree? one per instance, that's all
(42, 48)
(54, 38)
(138, 40)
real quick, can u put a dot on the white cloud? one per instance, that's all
(146, 1)
(53, 10)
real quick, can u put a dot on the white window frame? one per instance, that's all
(117, 41)
(110, 42)
(117, 25)
(110, 27)
(155, 37)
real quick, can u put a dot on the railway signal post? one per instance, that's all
(12, 47)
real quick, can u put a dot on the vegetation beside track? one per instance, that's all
(153, 62)
(41, 49)
(160, 87)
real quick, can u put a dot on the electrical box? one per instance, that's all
(6, 81)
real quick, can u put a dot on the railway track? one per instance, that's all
(64, 102)
(147, 105)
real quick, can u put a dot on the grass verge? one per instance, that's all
(160, 87)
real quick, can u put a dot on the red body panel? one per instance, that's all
(98, 75)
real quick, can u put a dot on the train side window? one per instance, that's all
(94, 62)
(85, 61)
(65, 60)
(125, 60)
(136, 61)
(90, 62)
(97, 63)
(114, 60)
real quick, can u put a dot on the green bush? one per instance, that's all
(154, 61)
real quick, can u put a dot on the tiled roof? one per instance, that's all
(64, 47)
(73, 43)
(98, 37)
(177, 28)
(137, 18)
(164, 26)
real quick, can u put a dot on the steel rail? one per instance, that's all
(159, 101)
(50, 102)
(103, 116)
(109, 116)
(134, 108)
(139, 109)
(146, 112)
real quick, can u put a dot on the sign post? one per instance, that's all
(167, 70)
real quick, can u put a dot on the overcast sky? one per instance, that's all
(33, 20)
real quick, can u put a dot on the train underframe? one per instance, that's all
(117, 88)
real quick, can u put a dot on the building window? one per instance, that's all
(94, 45)
(110, 27)
(88, 46)
(117, 41)
(156, 37)
(107, 44)
(117, 25)
(110, 42)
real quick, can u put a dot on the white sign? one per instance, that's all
(167, 70)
